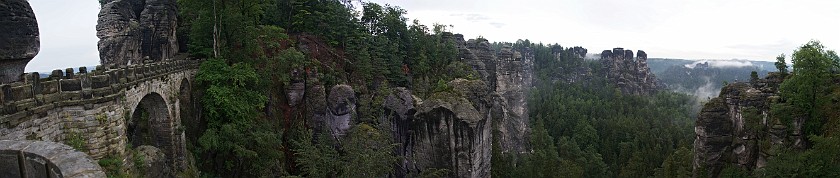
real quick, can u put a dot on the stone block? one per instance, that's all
(71, 85)
(49, 87)
(9, 164)
(34, 165)
(21, 92)
(100, 81)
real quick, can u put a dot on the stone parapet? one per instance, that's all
(35, 96)
(26, 158)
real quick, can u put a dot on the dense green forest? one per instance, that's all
(580, 129)
(245, 132)
(590, 129)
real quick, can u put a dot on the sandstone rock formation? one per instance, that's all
(735, 128)
(154, 162)
(131, 31)
(342, 106)
(451, 131)
(508, 75)
(19, 38)
(631, 75)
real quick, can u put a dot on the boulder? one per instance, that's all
(19, 38)
(153, 162)
(342, 106)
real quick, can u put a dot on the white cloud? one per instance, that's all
(691, 29)
(68, 34)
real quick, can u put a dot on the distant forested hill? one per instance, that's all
(704, 78)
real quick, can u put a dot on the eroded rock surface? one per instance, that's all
(154, 161)
(452, 132)
(19, 38)
(131, 31)
(507, 74)
(631, 74)
(736, 128)
(342, 103)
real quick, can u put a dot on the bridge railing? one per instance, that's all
(26, 158)
(37, 96)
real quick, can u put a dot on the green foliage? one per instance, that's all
(367, 153)
(733, 171)
(236, 138)
(752, 119)
(76, 140)
(599, 130)
(102, 118)
(442, 87)
(317, 160)
(781, 64)
(819, 161)
(252, 55)
(677, 165)
(811, 79)
(113, 167)
(433, 173)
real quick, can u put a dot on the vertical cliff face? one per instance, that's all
(631, 74)
(19, 38)
(508, 75)
(735, 128)
(451, 131)
(131, 31)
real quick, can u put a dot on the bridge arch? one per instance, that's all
(151, 124)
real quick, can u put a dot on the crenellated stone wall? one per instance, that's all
(96, 107)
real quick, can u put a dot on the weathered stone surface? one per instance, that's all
(46, 159)
(399, 110)
(342, 101)
(731, 128)
(450, 132)
(508, 76)
(9, 163)
(19, 38)
(99, 118)
(131, 31)
(154, 161)
(631, 75)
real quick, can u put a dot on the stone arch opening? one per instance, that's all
(187, 112)
(150, 124)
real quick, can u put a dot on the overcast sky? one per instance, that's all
(689, 29)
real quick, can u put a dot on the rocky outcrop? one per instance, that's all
(451, 130)
(507, 74)
(153, 162)
(342, 106)
(131, 31)
(513, 79)
(736, 128)
(631, 74)
(19, 38)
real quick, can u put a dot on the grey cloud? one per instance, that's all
(471, 17)
(497, 24)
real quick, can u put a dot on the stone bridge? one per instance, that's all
(105, 112)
